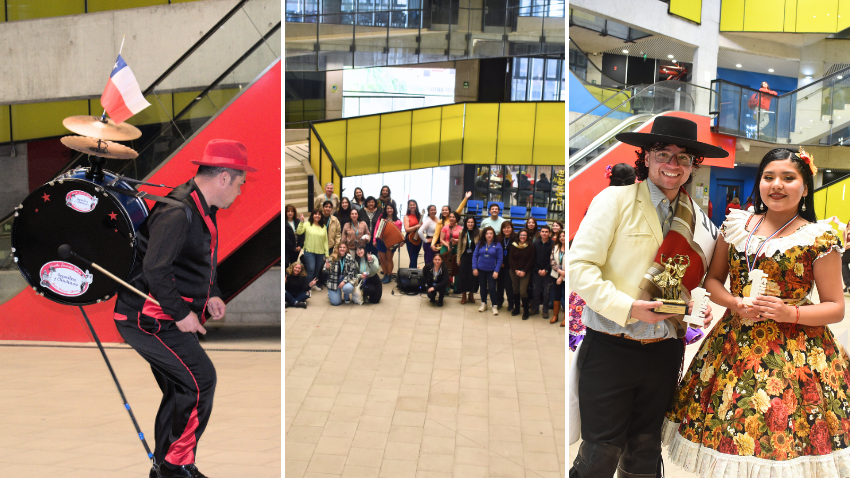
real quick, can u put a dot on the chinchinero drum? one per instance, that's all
(99, 225)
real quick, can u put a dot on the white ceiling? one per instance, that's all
(657, 47)
(757, 63)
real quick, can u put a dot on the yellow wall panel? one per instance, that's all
(203, 109)
(40, 120)
(333, 135)
(425, 138)
(817, 16)
(820, 203)
(395, 141)
(732, 15)
(315, 159)
(5, 119)
(843, 15)
(550, 138)
(363, 150)
(104, 5)
(451, 135)
(790, 16)
(161, 110)
(688, 9)
(837, 201)
(328, 173)
(516, 133)
(479, 136)
(764, 16)
(28, 9)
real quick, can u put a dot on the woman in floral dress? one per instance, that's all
(768, 393)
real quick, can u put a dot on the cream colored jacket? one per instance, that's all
(613, 248)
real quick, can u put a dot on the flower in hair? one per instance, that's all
(808, 159)
(608, 170)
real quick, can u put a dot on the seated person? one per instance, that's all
(368, 267)
(297, 285)
(342, 274)
(436, 280)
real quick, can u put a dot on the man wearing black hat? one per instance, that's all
(629, 361)
(177, 257)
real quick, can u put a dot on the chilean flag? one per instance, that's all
(122, 97)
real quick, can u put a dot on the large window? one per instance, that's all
(536, 79)
(541, 8)
(371, 13)
(526, 186)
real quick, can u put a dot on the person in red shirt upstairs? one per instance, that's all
(760, 104)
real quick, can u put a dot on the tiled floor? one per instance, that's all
(63, 417)
(404, 389)
(840, 330)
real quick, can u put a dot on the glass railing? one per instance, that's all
(579, 158)
(816, 114)
(332, 35)
(253, 34)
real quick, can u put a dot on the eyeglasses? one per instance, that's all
(683, 159)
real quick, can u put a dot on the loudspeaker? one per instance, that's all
(410, 279)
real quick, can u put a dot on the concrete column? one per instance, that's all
(705, 55)
(466, 71)
(14, 185)
(333, 99)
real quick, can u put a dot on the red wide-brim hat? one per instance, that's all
(226, 153)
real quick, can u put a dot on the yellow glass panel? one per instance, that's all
(479, 136)
(153, 114)
(689, 9)
(5, 120)
(837, 201)
(104, 5)
(333, 135)
(843, 15)
(42, 120)
(315, 159)
(790, 16)
(362, 143)
(550, 137)
(28, 9)
(183, 1)
(516, 133)
(202, 109)
(732, 15)
(817, 16)
(820, 203)
(328, 173)
(395, 141)
(451, 135)
(221, 97)
(425, 138)
(763, 16)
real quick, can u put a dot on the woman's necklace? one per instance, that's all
(759, 249)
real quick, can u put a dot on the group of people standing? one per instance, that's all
(768, 392)
(339, 247)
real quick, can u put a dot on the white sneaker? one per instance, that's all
(316, 288)
(495, 310)
(483, 306)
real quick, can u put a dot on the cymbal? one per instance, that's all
(91, 126)
(106, 149)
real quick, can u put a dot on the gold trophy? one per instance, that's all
(669, 281)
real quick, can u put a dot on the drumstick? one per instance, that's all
(65, 252)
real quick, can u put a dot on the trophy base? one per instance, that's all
(671, 306)
(694, 322)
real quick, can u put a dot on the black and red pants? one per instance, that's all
(186, 377)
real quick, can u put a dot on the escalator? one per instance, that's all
(595, 146)
(240, 100)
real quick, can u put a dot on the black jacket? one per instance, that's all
(176, 260)
(542, 255)
(442, 278)
(297, 284)
(292, 240)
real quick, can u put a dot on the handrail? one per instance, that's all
(592, 146)
(841, 72)
(654, 85)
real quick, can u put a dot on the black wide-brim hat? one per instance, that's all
(673, 130)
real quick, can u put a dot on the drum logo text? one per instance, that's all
(80, 201)
(65, 279)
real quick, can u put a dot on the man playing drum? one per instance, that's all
(177, 252)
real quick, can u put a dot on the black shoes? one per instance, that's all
(167, 470)
(301, 305)
(440, 303)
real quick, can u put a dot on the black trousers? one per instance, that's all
(625, 388)
(504, 285)
(187, 379)
(845, 268)
(437, 293)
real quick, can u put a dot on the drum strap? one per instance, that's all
(144, 195)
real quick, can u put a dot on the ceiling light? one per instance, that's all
(674, 61)
(840, 77)
(829, 170)
(808, 77)
(738, 65)
(770, 70)
(669, 56)
(625, 51)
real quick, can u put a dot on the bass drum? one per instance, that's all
(99, 225)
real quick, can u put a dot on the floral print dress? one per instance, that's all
(766, 399)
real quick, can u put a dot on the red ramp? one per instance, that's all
(253, 118)
(585, 185)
